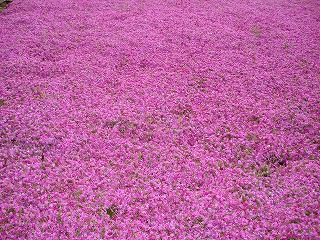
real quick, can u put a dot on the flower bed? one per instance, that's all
(159, 120)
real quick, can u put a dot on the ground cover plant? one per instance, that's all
(173, 119)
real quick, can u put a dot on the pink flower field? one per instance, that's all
(173, 119)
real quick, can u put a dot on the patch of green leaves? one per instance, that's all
(256, 31)
(112, 211)
(264, 171)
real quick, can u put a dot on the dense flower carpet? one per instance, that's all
(173, 119)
